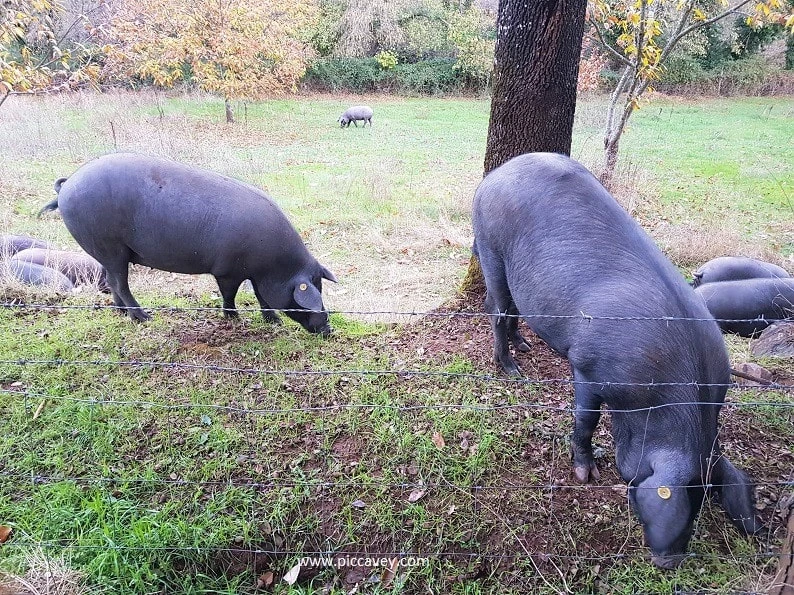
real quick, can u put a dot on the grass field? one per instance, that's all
(192, 454)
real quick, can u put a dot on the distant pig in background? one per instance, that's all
(80, 268)
(734, 268)
(127, 208)
(31, 273)
(357, 112)
(556, 248)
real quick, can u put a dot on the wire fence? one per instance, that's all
(19, 305)
(485, 491)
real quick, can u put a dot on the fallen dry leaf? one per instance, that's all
(265, 580)
(292, 575)
(438, 440)
(5, 531)
(389, 572)
(416, 494)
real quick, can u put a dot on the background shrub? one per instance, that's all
(359, 75)
(362, 75)
(752, 75)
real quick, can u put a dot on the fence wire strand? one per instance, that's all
(402, 313)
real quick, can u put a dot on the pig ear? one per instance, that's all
(326, 274)
(665, 512)
(307, 296)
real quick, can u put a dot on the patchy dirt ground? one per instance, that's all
(766, 454)
(533, 504)
(528, 516)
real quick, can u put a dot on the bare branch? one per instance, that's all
(602, 42)
(613, 100)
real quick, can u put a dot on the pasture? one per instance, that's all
(192, 454)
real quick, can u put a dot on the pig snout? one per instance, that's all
(668, 562)
(316, 322)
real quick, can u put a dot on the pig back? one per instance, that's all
(569, 249)
(176, 217)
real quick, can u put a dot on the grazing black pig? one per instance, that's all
(11, 244)
(124, 208)
(733, 268)
(81, 269)
(557, 249)
(746, 307)
(357, 112)
(31, 273)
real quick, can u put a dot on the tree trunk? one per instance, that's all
(610, 161)
(229, 112)
(536, 66)
(784, 579)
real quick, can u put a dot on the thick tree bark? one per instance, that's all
(536, 66)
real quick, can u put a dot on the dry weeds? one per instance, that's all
(45, 576)
(689, 246)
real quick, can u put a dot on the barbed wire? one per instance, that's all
(38, 479)
(427, 313)
(384, 406)
(378, 553)
(346, 374)
(405, 373)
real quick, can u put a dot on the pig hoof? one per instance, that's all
(510, 368)
(583, 473)
(670, 562)
(231, 314)
(521, 346)
(138, 315)
(507, 363)
(271, 316)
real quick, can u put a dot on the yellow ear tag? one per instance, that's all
(664, 492)
(302, 286)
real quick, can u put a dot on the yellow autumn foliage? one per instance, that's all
(237, 49)
(31, 55)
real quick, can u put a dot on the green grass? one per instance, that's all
(737, 161)
(149, 478)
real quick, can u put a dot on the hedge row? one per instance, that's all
(361, 75)
(748, 76)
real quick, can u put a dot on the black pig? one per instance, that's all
(733, 268)
(124, 208)
(553, 242)
(11, 244)
(79, 268)
(31, 273)
(354, 114)
(746, 307)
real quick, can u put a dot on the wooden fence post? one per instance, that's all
(784, 579)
